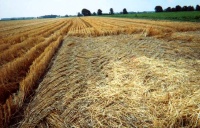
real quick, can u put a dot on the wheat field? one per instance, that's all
(99, 72)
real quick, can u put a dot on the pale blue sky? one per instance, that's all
(33, 8)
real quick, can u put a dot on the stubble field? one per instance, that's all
(99, 72)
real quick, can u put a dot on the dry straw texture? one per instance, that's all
(119, 81)
(150, 78)
(23, 63)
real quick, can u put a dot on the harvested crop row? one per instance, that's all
(167, 27)
(18, 49)
(179, 27)
(22, 36)
(46, 31)
(79, 28)
(15, 101)
(9, 26)
(18, 67)
(162, 29)
(12, 72)
(104, 28)
(103, 67)
(118, 81)
(30, 29)
(38, 67)
(19, 76)
(53, 29)
(7, 33)
(109, 26)
(128, 27)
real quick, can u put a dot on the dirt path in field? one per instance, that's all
(116, 81)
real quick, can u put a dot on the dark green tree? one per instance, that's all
(190, 8)
(197, 8)
(99, 12)
(111, 11)
(168, 9)
(173, 9)
(125, 11)
(94, 13)
(79, 14)
(86, 12)
(184, 8)
(158, 9)
(178, 8)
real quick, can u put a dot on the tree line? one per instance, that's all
(178, 8)
(86, 12)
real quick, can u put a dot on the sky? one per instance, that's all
(35, 8)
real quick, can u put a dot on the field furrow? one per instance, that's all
(6, 33)
(22, 24)
(18, 50)
(24, 35)
(24, 62)
(107, 72)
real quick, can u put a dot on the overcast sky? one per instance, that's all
(34, 8)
